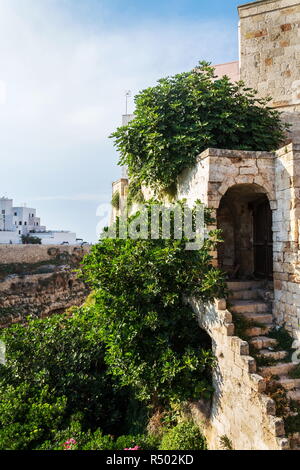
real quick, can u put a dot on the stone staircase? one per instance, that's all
(252, 300)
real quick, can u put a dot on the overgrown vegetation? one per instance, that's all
(226, 443)
(284, 341)
(187, 113)
(295, 373)
(184, 436)
(148, 329)
(31, 240)
(115, 201)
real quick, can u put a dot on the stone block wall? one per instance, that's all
(239, 409)
(29, 254)
(218, 170)
(270, 54)
(286, 237)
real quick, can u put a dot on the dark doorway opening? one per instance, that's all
(262, 239)
(245, 218)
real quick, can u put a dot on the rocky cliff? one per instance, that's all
(39, 280)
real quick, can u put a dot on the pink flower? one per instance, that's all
(134, 448)
(68, 445)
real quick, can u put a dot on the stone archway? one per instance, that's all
(245, 218)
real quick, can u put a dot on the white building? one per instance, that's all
(18, 221)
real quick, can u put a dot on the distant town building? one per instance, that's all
(16, 222)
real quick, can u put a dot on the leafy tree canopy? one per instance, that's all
(185, 114)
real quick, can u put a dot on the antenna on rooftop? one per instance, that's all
(127, 95)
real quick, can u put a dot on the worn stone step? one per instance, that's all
(248, 306)
(294, 395)
(243, 285)
(263, 342)
(263, 318)
(288, 383)
(257, 331)
(248, 294)
(276, 355)
(278, 369)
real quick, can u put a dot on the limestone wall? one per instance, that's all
(239, 409)
(270, 54)
(39, 280)
(37, 253)
(278, 176)
(286, 238)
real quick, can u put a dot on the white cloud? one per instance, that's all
(66, 83)
(3, 92)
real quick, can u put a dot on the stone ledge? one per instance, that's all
(227, 153)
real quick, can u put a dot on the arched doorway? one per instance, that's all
(245, 218)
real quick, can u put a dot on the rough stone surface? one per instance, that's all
(239, 409)
(39, 280)
(270, 54)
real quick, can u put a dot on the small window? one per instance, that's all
(25, 223)
(15, 214)
(19, 232)
(37, 223)
(3, 211)
(20, 223)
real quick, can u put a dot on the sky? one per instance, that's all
(65, 66)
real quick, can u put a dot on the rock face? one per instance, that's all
(39, 281)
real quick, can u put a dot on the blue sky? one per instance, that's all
(64, 68)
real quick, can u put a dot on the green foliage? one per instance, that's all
(145, 442)
(241, 325)
(226, 443)
(295, 373)
(284, 341)
(96, 370)
(31, 240)
(184, 436)
(115, 201)
(292, 424)
(28, 413)
(64, 355)
(150, 334)
(187, 113)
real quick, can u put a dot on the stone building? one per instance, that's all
(255, 197)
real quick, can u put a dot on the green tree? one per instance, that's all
(151, 337)
(184, 115)
(63, 354)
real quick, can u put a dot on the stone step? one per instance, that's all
(254, 331)
(248, 306)
(262, 342)
(243, 285)
(263, 318)
(295, 441)
(294, 395)
(288, 383)
(244, 295)
(276, 355)
(278, 369)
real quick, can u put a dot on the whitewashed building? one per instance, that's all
(16, 222)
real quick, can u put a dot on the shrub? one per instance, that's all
(187, 113)
(65, 356)
(184, 436)
(99, 442)
(28, 413)
(152, 340)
